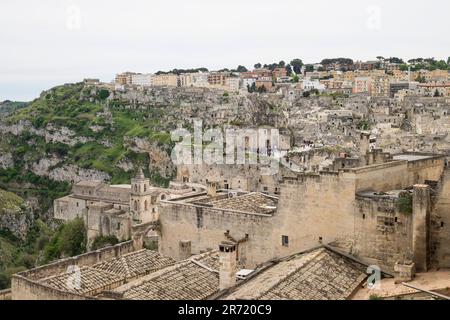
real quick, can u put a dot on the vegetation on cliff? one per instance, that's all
(50, 141)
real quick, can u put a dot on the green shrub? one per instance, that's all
(405, 203)
(104, 241)
(69, 240)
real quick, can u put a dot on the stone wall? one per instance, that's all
(383, 234)
(5, 294)
(440, 225)
(69, 208)
(313, 208)
(206, 227)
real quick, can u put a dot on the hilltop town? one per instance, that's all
(349, 176)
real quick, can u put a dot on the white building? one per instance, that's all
(200, 79)
(233, 83)
(143, 80)
(312, 84)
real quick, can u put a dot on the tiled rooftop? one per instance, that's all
(210, 260)
(185, 280)
(90, 281)
(136, 263)
(317, 275)
(109, 274)
(253, 202)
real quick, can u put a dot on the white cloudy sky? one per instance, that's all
(43, 43)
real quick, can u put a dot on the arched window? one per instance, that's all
(146, 205)
(135, 205)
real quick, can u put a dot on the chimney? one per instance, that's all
(227, 262)
(212, 188)
(185, 249)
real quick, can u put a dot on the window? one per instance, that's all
(146, 205)
(396, 219)
(135, 205)
(145, 188)
(285, 241)
(77, 205)
(163, 196)
(364, 215)
(442, 224)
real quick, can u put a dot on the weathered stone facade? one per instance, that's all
(328, 207)
(114, 209)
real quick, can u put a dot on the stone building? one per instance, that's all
(379, 211)
(115, 209)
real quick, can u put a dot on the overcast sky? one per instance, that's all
(49, 42)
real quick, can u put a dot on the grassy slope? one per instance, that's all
(76, 108)
(63, 107)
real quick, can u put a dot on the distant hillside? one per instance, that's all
(7, 107)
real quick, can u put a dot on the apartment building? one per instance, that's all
(380, 87)
(167, 80)
(143, 80)
(124, 78)
(186, 79)
(362, 85)
(218, 78)
(232, 83)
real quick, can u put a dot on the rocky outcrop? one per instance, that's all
(42, 167)
(51, 133)
(15, 215)
(160, 160)
(74, 174)
(6, 161)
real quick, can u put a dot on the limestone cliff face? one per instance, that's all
(15, 215)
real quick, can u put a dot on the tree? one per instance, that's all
(288, 69)
(104, 241)
(281, 64)
(241, 69)
(448, 60)
(103, 94)
(309, 68)
(69, 240)
(295, 78)
(297, 65)
(262, 89)
(258, 66)
(395, 60)
(251, 88)
(404, 67)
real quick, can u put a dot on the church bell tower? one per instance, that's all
(140, 199)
